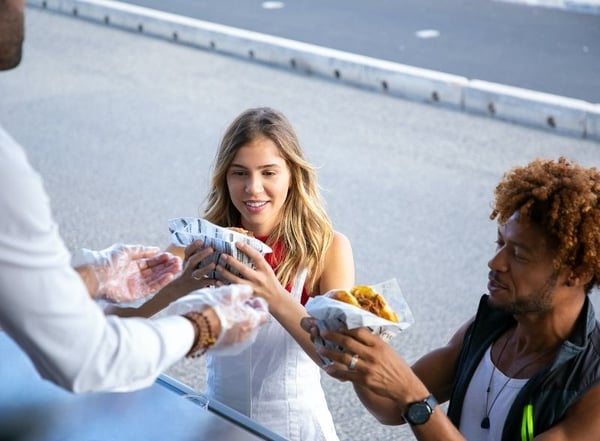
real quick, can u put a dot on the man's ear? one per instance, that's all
(578, 278)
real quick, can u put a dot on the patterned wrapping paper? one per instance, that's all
(335, 315)
(185, 230)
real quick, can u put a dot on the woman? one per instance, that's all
(262, 183)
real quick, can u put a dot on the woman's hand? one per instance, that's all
(262, 279)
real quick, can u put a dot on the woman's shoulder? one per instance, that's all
(340, 242)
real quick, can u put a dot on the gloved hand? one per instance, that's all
(240, 314)
(128, 273)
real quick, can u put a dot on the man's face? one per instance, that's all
(522, 278)
(11, 32)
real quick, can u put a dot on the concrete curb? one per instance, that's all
(558, 114)
(580, 6)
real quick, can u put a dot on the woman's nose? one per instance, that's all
(253, 185)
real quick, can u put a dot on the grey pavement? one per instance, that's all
(558, 114)
(123, 128)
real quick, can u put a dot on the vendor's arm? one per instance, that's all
(338, 273)
(47, 310)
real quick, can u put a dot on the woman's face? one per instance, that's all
(258, 180)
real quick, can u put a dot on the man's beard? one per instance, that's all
(538, 301)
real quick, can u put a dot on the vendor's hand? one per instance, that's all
(125, 273)
(378, 368)
(240, 314)
(262, 278)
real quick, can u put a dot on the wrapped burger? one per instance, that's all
(185, 230)
(381, 308)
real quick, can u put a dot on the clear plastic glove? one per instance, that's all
(126, 274)
(240, 314)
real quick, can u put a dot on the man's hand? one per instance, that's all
(126, 273)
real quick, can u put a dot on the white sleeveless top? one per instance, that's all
(275, 383)
(503, 390)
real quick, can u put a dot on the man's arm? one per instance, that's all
(387, 385)
(581, 421)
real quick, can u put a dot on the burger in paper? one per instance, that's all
(185, 230)
(381, 308)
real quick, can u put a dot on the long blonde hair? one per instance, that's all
(305, 228)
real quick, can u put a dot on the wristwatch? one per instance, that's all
(419, 412)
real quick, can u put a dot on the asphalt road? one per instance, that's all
(123, 129)
(548, 50)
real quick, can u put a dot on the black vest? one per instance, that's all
(552, 390)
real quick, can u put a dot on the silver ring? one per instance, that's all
(353, 362)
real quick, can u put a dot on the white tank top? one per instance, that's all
(503, 390)
(275, 383)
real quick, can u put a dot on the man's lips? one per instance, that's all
(494, 284)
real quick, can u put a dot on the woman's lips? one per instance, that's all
(255, 206)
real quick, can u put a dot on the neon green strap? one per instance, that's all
(527, 423)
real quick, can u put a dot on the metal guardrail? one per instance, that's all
(566, 116)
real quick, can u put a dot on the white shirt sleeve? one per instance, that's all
(46, 309)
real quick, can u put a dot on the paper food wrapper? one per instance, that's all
(334, 315)
(185, 230)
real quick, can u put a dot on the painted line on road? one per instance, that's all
(565, 116)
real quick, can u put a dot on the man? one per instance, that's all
(527, 366)
(44, 304)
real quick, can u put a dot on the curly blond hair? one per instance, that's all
(563, 198)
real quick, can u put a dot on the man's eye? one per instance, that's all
(518, 256)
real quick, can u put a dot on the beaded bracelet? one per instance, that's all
(201, 328)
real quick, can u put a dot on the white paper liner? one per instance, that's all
(334, 315)
(185, 230)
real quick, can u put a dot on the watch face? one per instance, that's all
(418, 413)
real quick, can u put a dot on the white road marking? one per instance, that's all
(427, 33)
(272, 5)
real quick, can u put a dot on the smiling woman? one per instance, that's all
(261, 182)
